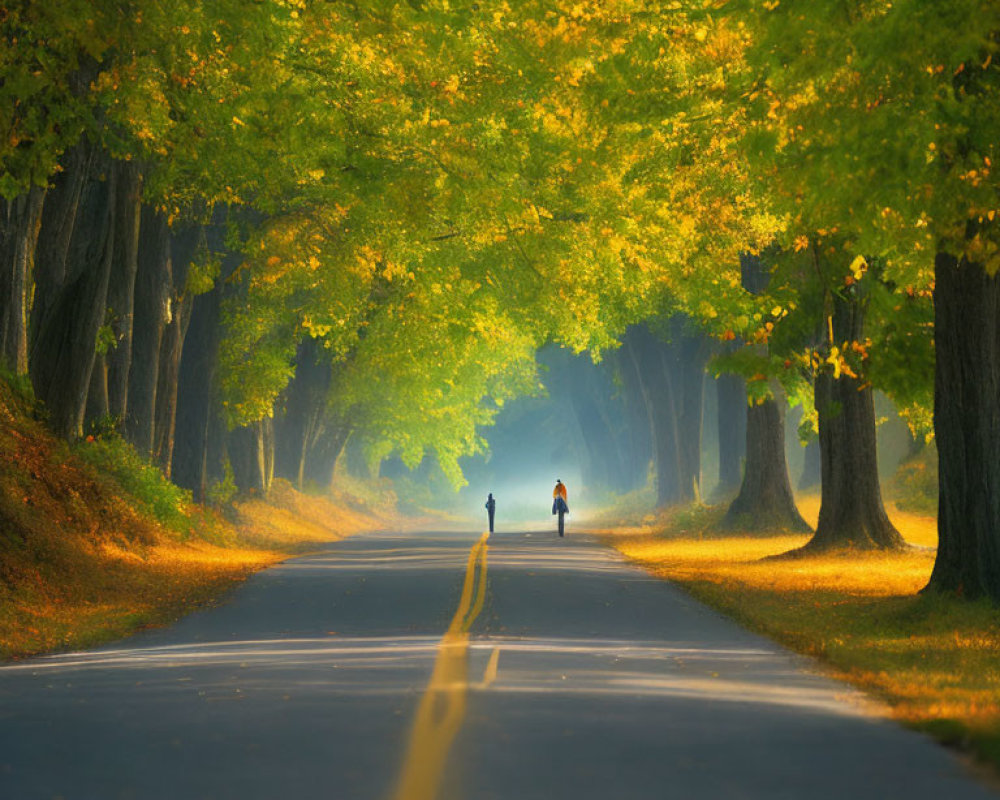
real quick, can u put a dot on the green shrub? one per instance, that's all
(158, 497)
(221, 493)
(22, 391)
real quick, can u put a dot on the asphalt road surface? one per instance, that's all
(449, 666)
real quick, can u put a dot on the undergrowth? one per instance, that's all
(166, 502)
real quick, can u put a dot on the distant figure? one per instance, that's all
(491, 509)
(559, 505)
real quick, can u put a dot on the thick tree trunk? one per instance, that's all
(851, 513)
(63, 355)
(765, 500)
(967, 428)
(121, 289)
(59, 218)
(732, 427)
(152, 311)
(196, 415)
(811, 466)
(20, 222)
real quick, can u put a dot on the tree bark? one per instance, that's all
(169, 362)
(967, 429)
(97, 394)
(59, 218)
(200, 436)
(152, 309)
(251, 453)
(196, 414)
(121, 289)
(20, 222)
(765, 501)
(851, 513)
(62, 358)
(732, 427)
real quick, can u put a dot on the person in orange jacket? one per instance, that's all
(559, 505)
(559, 491)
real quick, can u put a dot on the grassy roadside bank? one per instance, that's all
(933, 660)
(95, 544)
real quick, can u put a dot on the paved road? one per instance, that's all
(442, 665)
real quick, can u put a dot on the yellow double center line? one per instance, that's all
(442, 707)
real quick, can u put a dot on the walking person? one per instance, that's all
(559, 505)
(491, 509)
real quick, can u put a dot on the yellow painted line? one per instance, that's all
(442, 708)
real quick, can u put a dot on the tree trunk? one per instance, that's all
(851, 513)
(321, 462)
(732, 425)
(62, 359)
(20, 222)
(652, 369)
(97, 394)
(604, 467)
(811, 466)
(169, 361)
(196, 409)
(121, 289)
(300, 423)
(200, 441)
(637, 425)
(765, 501)
(59, 217)
(967, 428)
(152, 310)
(690, 354)
(672, 378)
(251, 453)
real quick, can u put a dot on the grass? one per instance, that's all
(933, 660)
(166, 502)
(95, 544)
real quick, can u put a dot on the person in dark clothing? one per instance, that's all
(491, 509)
